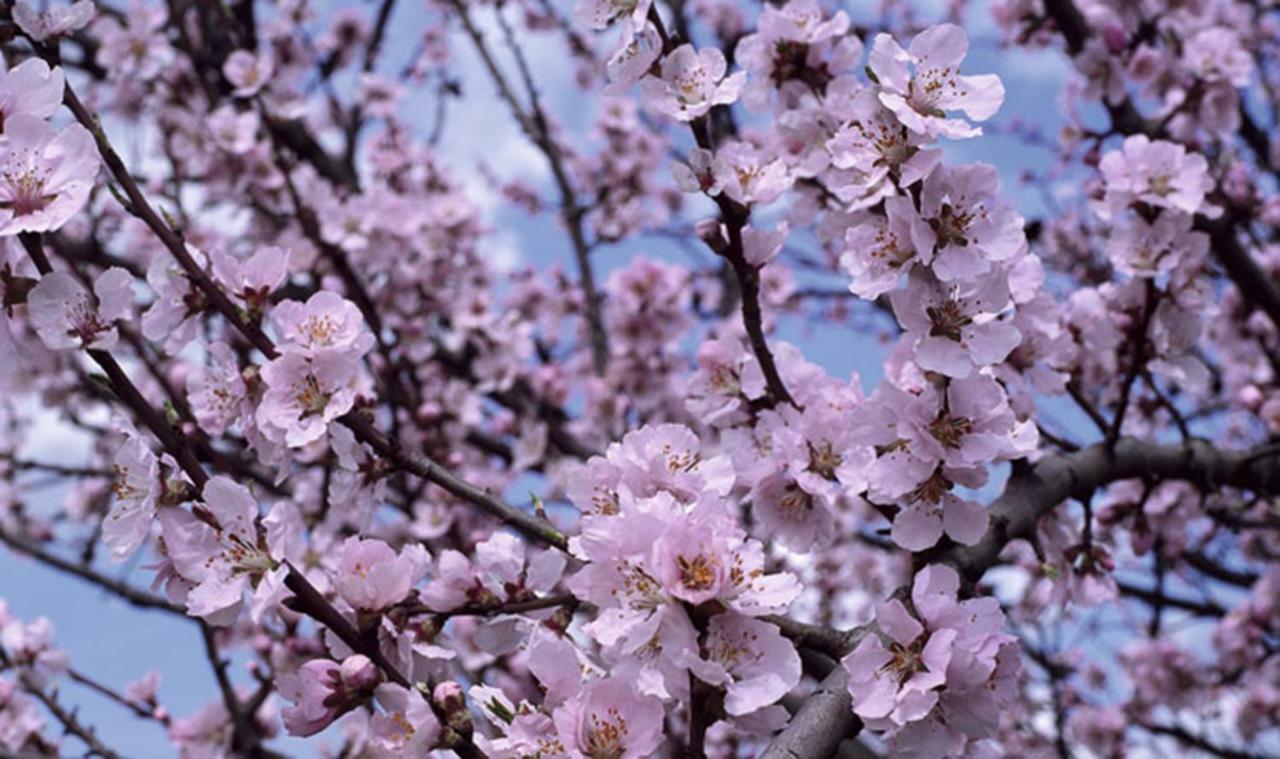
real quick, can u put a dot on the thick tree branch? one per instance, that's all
(827, 717)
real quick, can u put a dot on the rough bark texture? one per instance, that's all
(826, 718)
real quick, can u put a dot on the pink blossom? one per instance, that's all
(248, 73)
(322, 690)
(67, 316)
(174, 315)
(1147, 249)
(791, 515)
(134, 46)
(633, 59)
(698, 175)
(223, 564)
(881, 249)
(751, 659)
(326, 322)
(254, 279)
(371, 577)
(749, 174)
(601, 14)
(304, 395)
(217, 392)
(45, 174)
(692, 82)
(955, 326)
(921, 97)
(1217, 53)
(871, 144)
(939, 665)
(691, 563)
(55, 20)
(1158, 173)
(234, 131)
(406, 724)
(970, 227)
(31, 88)
(609, 717)
(796, 47)
(137, 488)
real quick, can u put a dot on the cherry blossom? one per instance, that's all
(53, 19)
(137, 490)
(692, 82)
(322, 690)
(247, 73)
(45, 173)
(1158, 173)
(66, 315)
(481, 402)
(303, 395)
(920, 84)
(31, 88)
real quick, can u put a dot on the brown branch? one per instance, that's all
(827, 717)
(128, 593)
(415, 463)
(534, 124)
(69, 721)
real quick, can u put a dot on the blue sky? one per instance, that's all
(115, 643)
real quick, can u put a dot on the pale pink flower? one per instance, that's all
(699, 174)
(601, 14)
(55, 20)
(794, 50)
(691, 562)
(971, 227)
(224, 564)
(248, 73)
(29, 89)
(691, 83)
(174, 315)
(791, 515)
(871, 144)
(304, 395)
(1148, 249)
(749, 175)
(217, 391)
(609, 717)
(1159, 173)
(326, 322)
(633, 59)
(252, 281)
(922, 83)
(406, 724)
(136, 488)
(760, 245)
(942, 663)
(232, 130)
(750, 659)
(45, 174)
(371, 577)
(955, 325)
(65, 315)
(323, 690)
(881, 249)
(1218, 54)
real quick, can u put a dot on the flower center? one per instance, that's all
(948, 320)
(697, 573)
(606, 736)
(310, 397)
(26, 193)
(950, 430)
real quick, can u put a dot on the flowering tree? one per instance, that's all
(436, 504)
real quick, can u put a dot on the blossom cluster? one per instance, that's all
(438, 499)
